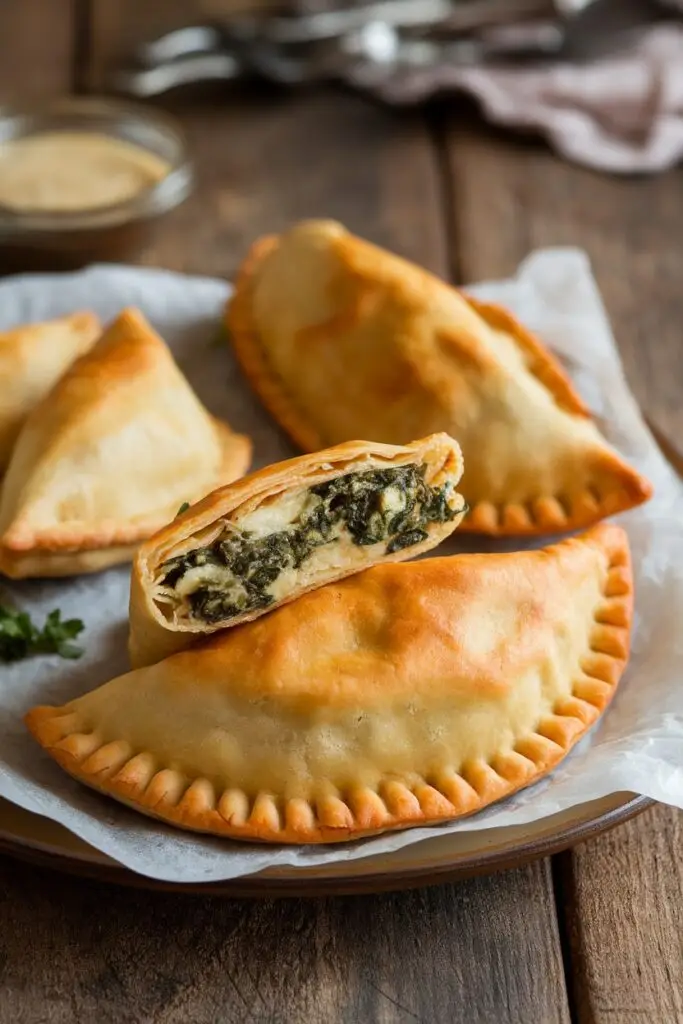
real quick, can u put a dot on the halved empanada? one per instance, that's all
(32, 358)
(270, 537)
(341, 339)
(108, 457)
(404, 695)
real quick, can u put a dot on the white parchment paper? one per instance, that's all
(639, 745)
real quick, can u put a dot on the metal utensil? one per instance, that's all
(145, 82)
(384, 38)
(285, 48)
(606, 27)
(460, 16)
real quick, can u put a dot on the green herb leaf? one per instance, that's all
(20, 638)
(183, 508)
(393, 506)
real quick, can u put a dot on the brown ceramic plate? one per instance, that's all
(444, 858)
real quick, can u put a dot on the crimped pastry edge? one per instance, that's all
(538, 517)
(134, 778)
(115, 540)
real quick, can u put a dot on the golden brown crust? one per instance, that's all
(554, 513)
(544, 367)
(392, 799)
(117, 430)
(153, 636)
(237, 451)
(589, 481)
(252, 357)
(32, 359)
(253, 360)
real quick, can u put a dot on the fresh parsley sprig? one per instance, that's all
(20, 637)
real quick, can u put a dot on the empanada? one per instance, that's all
(288, 528)
(32, 358)
(405, 695)
(108, 457)
(341, 339)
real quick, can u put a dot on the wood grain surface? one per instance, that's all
(443, 190)
(116, 28)
(482, 952)
(266, 160)
(37, 39)
(623, 911)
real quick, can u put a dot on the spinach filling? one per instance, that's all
(385, 505)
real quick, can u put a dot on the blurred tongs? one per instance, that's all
(385, 37)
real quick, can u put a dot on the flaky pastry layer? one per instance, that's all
(155, 632)
(32, 359)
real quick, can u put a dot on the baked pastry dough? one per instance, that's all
(32, 359)
(108, 457)
(286, 529)
(341, 339)
(405, 695)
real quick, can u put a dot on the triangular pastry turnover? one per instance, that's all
(404, 695)
(286, 529)
(341, 339)
(32, 359)
(108, 457)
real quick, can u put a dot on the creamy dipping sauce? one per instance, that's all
(70, 171)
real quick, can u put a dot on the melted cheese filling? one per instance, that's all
(279, 515)
(298, 540)
(214, 575)
(335, 554)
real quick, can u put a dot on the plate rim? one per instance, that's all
(260, 885)
(299, 884)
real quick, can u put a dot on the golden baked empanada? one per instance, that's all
(32, 359)
(286, 529)
(108, 457)
(341, 339)
(405, 695)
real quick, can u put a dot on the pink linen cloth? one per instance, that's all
(622, 113)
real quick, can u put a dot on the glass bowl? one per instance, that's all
(54, 240)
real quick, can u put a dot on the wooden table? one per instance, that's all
(592, 936)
